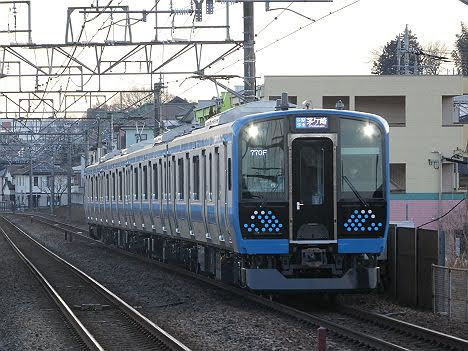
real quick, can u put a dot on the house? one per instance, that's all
(15, 181)
(138, 124)
(207, 108)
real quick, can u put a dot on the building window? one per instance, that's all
(448, 177)
(36, 181)
(291, 98)
(392, 108)
(397, 177)
(331, 101)
(141, 137)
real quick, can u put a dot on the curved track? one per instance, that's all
(359, 327)
(102, 320)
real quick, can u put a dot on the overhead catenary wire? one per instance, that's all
(445, 214)
(276, 41)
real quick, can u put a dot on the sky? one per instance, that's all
(340, 44)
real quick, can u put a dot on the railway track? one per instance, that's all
(359, 327)
(101, 319)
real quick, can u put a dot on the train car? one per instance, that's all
(290, 200)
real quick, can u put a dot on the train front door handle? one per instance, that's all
(298, 205)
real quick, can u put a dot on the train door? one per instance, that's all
(156, 195)
(312, 188)
(128, 197)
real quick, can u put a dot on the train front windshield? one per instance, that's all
(362, 164)
(263, 161)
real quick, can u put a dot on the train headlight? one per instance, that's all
(252, 131)
(369, 131)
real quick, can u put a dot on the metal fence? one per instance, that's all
(450, 292)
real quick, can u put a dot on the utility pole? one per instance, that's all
(52, 186)
(406, 54)
(110, 115)
(86, 155)
(30, 179)
(69, 176)
(99, 146)
(157, 88)
(249, 52)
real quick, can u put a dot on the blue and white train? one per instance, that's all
(278, 201)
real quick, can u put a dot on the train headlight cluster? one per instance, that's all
(253, 131)
(369, 130)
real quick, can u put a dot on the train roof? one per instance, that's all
(240, 114)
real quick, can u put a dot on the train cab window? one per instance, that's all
(196, 177)
(120, 185)
(362, 164)
(262, 161)
(135, 183)
(145, 183)
(180, 171)
(229, 174)
(155, 181)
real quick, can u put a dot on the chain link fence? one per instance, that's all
(450, 292)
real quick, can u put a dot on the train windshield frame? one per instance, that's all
(362, 162)
(263, 160)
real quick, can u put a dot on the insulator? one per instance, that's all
(182, 11)
(209, 7)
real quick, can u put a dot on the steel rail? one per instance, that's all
(84, 334)
(149, 326)
(447, 340)
(308, 318)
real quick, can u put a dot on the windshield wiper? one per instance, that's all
(363, 202)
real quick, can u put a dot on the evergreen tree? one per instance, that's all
(386, 61)
(460, 54)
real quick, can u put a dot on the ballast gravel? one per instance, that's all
(29, 320)
(380, 304)
(202, 317)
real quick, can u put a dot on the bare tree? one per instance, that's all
(60, 186)
(455, 226)
(433, 55)
(135, 99)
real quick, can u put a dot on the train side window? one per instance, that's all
(210, 184)
(114, 186)
(203, 174)
(174, 179)
(180, 166)
(155, 181)
(218, 183)
(135, 183)
(164, 180)
(145, 183)
(196, 178)
(229, 170)
(120, 185)
(92, 188)
(187, 157)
